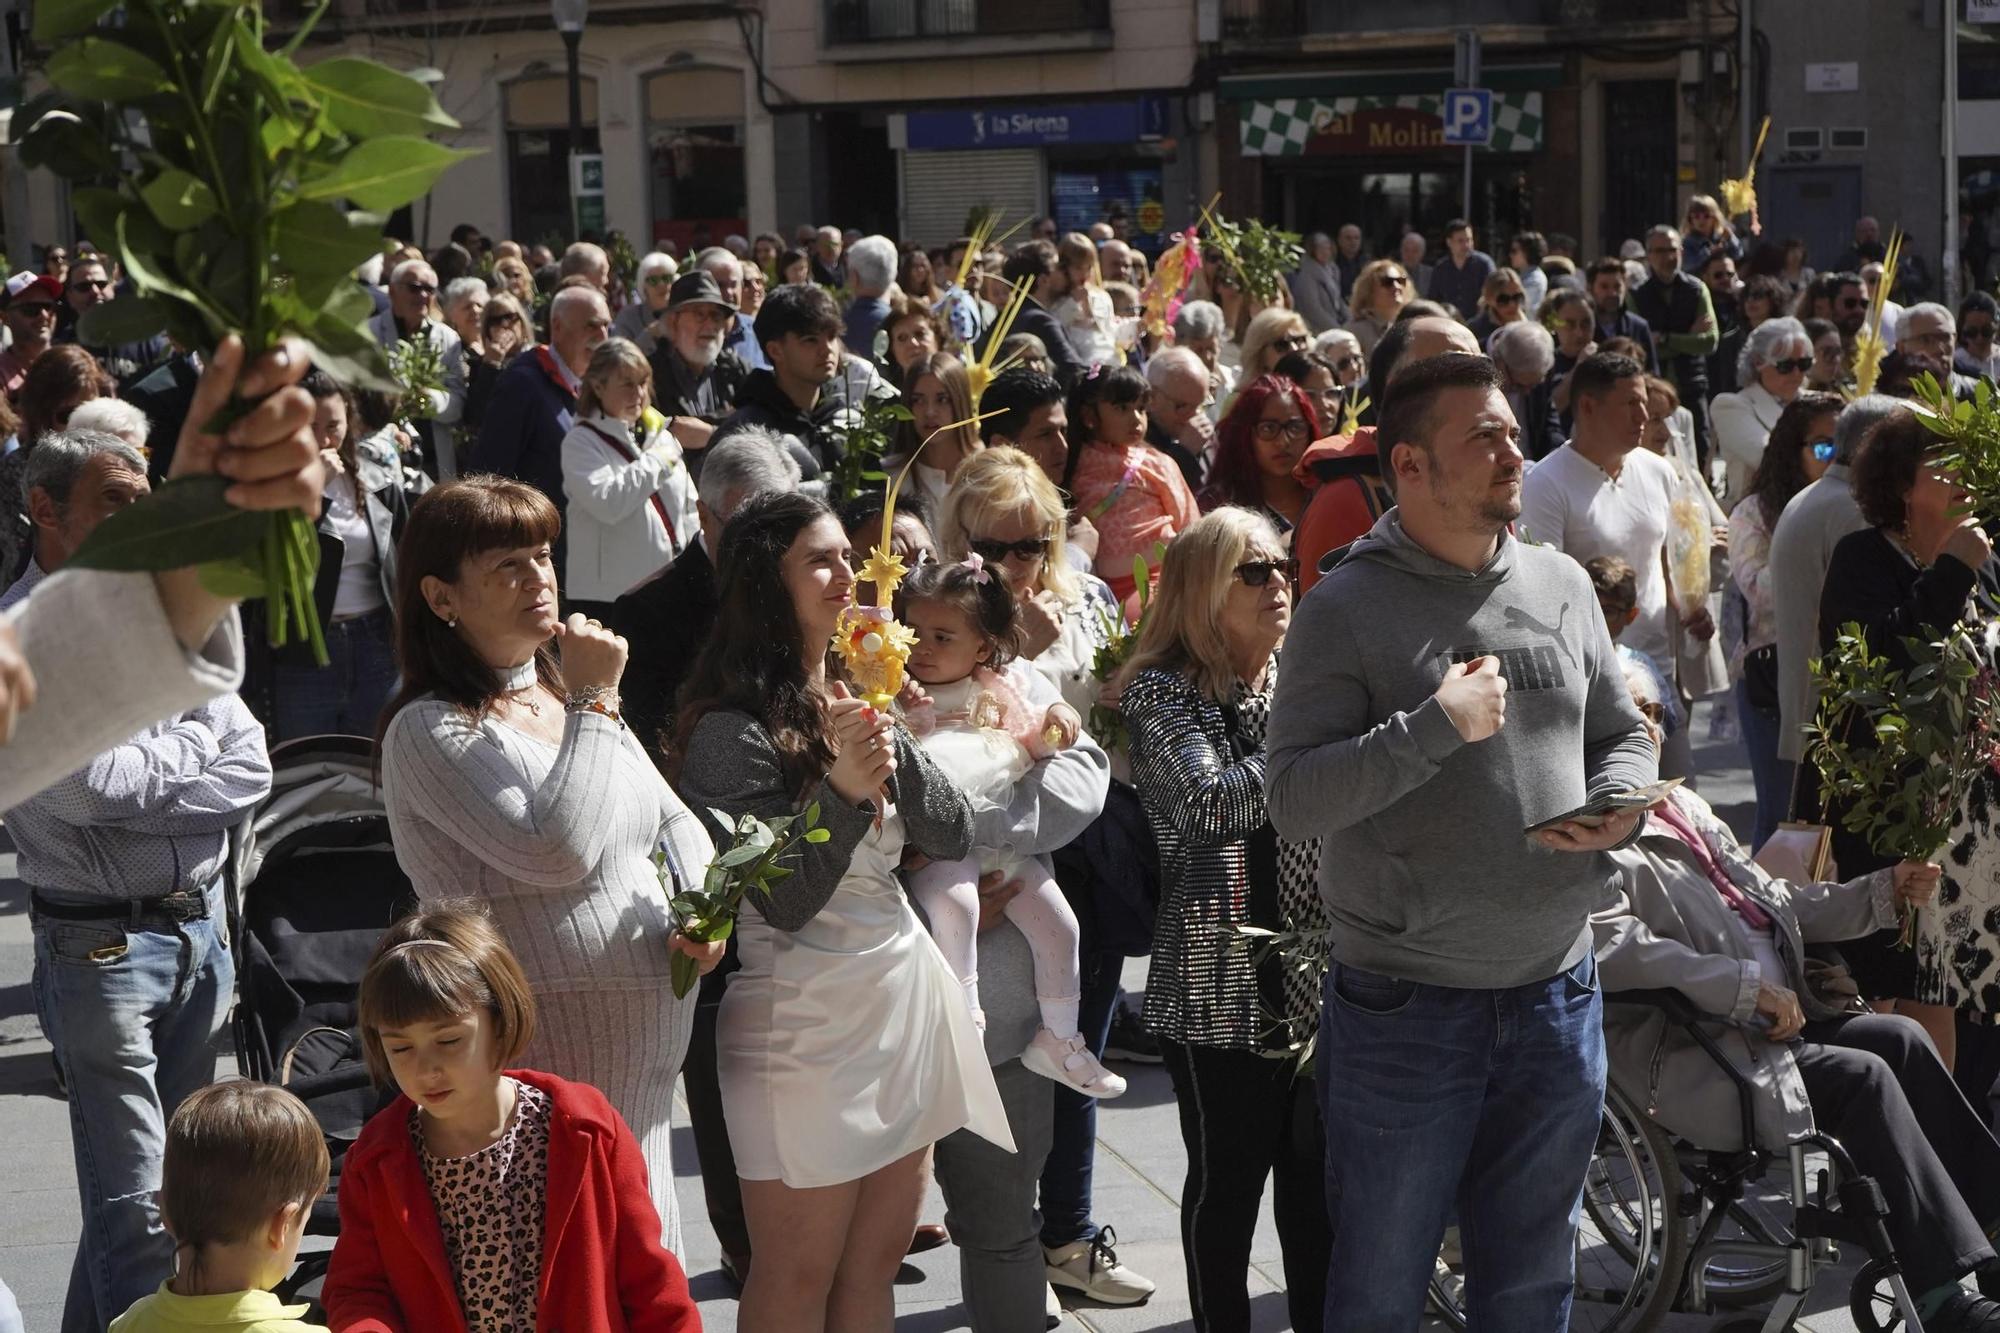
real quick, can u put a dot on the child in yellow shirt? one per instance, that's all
(244, 1162)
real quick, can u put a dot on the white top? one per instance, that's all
(1572, 504)
(1743, 424)
(360, 587)
(1092, 329)
(617, 539)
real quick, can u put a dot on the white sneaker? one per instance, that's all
(1070, 1063)
(1092, 1267)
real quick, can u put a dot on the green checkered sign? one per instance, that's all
(1289, 126)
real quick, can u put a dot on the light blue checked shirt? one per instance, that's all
(148, 817)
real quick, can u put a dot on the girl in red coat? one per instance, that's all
(487, 1200)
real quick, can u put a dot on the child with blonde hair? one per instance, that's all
(243, 1164)
(486, 1199)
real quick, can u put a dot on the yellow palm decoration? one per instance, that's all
(1350, 420)
(1869, 345)
(980, 375)
(1740, 196)
(873, 645)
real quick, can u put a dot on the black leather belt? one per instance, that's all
(183, 905)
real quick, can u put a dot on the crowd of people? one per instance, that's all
(1270, 620)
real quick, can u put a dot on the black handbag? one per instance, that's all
(1760, 678)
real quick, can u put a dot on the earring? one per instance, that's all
(451, 622)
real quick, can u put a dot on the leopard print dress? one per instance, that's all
(491, 1205)
(1958, 935)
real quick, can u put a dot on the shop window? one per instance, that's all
(538, 149)
(694, 155)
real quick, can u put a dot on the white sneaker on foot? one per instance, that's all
(1070, 1063)
(1092, 1267)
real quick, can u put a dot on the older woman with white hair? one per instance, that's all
(113, 416)
(1344, 350)
(464, 304)
(1771, 370)
(1199, 328)
(1525, 351)
(638, 321)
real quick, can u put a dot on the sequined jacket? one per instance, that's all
(1199, 768)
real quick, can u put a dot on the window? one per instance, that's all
(694, 153)
(538, 149)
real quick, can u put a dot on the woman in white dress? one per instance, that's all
(510, 777)
(845, 1049)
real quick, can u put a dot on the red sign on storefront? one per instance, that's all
(1374, 130)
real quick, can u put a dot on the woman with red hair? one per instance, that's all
(1257, 451)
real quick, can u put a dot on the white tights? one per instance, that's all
(949, 894)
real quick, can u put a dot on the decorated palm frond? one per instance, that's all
(1740, 196)
(980, 374)
(1869, 345)
(1167, 287)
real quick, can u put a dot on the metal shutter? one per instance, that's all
(941, 188)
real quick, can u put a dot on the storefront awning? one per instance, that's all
(1410, 123)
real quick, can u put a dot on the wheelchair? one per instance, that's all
(1667, 1227)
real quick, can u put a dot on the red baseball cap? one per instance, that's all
(27, 288)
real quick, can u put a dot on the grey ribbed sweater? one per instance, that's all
(557, 841)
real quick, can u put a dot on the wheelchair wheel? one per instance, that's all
(1631, 1245)
(1872, 1299)
(1740, 1281)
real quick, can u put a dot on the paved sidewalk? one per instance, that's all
(1139, 1170)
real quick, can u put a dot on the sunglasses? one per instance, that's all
(1032, 548)
(1257, 573)
(1394, 279)
(1508, 298)
(504, 317)
(1293, 341)
(1298, 428)
(1978, 332)
(1823, 450)
(1797, 365)
(1347, 363)
(90, 285)
(420, 288)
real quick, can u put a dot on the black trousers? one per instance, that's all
(1877, 1085)
(1246, 1117)
(711, 1131)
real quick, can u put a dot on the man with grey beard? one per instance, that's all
(694, 374)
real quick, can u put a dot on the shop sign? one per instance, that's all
(1345, 126)
(1038, 126)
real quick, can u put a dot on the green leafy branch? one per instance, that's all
(1107, 725)
(870, 436)
(1970, 432)
(1303, 951)
(1256, 256)
(1898, 749)
(753, 861)
(239, 191)
(417, 362)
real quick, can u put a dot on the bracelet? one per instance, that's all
(602, 701)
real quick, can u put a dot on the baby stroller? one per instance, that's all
(315, 884)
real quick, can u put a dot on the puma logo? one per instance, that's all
(1516, 618)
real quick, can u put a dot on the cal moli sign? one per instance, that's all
(1378, 129)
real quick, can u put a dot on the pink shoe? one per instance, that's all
(1070, 1063)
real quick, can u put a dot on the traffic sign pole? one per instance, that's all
(1467, 53)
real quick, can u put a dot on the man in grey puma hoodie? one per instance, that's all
(1444, 688)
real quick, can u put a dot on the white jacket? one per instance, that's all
(1743, 423)
(616, 538)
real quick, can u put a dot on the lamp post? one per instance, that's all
(569, 17)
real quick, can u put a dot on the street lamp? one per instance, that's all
(569, 17)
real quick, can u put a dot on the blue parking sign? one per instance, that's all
(1468, 116)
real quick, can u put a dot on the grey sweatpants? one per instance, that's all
(989, 1207)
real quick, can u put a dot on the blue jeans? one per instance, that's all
(347, 695)
(1771, 776)
(1482, 1102)
(132, 1011)
(1066, 1176)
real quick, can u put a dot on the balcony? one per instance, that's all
(1277, 20)
(453, 17)
(867, 21)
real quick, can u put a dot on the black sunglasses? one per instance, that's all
(1257, 573)
(1032, 548)
(420, 288)
(1978, 331)
(1797, 365)
(1508, 298)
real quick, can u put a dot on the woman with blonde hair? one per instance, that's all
(1272, 335)
(1196, 700)
(1003, 508)
(1704, 231)
(1380, 293)
(937, 392)
(1502, 300)
(1086, 312)
(511, 276)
